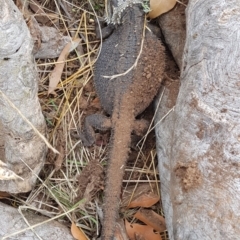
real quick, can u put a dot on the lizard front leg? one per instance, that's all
(106, 31)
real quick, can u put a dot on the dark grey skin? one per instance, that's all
(123, 98)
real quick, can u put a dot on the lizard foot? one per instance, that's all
(140, 127)
(94, 121)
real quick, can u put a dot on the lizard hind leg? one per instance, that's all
(94, 121)
(140, 127)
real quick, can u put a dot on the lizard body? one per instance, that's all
(123, 97)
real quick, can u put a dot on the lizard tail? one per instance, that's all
(119, 150)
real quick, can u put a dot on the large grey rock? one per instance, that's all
(11, 221)
(25, 151)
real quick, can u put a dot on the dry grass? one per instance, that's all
(57, 189)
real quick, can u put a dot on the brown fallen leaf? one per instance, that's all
(56, 74)
(78, 233)
(145, 200)
(159, 7)
(136, 231)
(152, 219)
(40, 14)
(36, 7)
(143, 196)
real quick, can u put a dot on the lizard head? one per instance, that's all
(115, 8)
